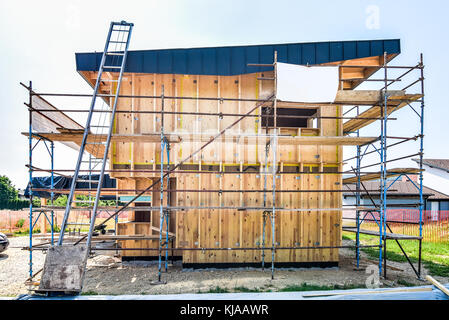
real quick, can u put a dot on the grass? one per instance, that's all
(217, 289)
(244, 289)
(405, 283)
(434, 255)
(290, 288)
(311, 287)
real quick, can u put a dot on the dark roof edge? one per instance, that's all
(233, 60)
(253, 45)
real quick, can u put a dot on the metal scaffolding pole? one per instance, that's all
(30, 176)
(161, 199)
(357, 212)
(383, 169)
(421, 154)
(265, 181)
(274, 169)
(52, 194)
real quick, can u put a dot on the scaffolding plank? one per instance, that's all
(322, 140)
(52, 120)
(376, 175)
(395, 103)
(154, 137)
(351, 97)
(291, 140)
(388, 235)
(77, 136)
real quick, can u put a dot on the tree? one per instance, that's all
(7, 191)
(61, 201)
(9, 195)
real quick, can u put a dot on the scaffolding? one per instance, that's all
(378, 212)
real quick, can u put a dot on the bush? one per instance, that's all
(14, 204)
(19, 223)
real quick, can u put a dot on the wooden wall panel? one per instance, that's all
(230, 228)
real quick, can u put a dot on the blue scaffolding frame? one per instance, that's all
(382, 209)
(40, 211)
(382, 220)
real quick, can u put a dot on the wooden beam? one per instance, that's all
(375, 176)
(354, 97)
(155, 138)
(78, 136)
(438, 285)
(396, 102)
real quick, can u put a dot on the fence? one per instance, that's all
(403, 221)
(406, 221)
(18, 220)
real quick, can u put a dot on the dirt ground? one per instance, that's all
(107, 275)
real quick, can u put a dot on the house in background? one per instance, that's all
(436, 177)
(403, 194)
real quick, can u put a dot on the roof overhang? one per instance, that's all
(234, 60)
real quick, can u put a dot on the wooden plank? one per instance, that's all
(387, 235)
(354, 97)
(374, 176)
(438, 285)
(124, 138)
(375, 112)
(52, 120)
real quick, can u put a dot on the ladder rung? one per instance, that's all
(117, 41)
(83, 201)
(92, 181)
(115, 54)
(100, 126)
(124, 30)
(112, 67)
(109, 80)
(95, 143)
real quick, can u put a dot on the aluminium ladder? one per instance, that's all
(65, 265)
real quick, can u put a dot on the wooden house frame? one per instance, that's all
(217, 206)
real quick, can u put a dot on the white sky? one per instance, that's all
(38, 41)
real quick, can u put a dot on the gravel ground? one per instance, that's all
(14, 266)
(107, 275)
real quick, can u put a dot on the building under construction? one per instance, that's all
(226, 156)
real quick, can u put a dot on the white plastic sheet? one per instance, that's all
(307, 84)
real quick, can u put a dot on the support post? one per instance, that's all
(357, 199)
(421, 154)
(30, 176)
(167, 211)
(161, 210)
(52, 195)
(385, 258)
(274, 169)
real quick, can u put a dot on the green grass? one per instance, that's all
(290, 288)
(311, 287)
(434, 255)
(217, 289)
(405, 283)
(244, 289)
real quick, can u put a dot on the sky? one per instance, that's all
(38, 41)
